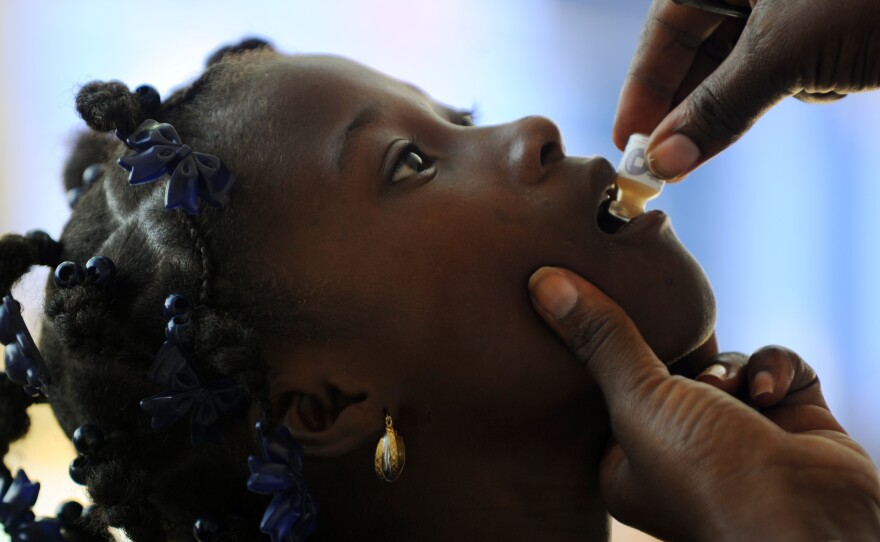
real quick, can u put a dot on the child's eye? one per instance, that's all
(412, 162)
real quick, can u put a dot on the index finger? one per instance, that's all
(667, 48)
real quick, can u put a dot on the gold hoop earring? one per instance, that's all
(390, 453)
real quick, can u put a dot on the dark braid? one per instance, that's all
(99, 343)
(89, 148)
(201, 248)
(17, 255)
(14, 421)
(109, 106)
(247, 44)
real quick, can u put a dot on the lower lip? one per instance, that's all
(652, 220)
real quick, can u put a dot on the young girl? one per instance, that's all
(307, 243)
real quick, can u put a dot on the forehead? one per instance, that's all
(319, 93)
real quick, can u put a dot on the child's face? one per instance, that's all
(418, 273)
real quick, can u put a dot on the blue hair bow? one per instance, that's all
(17, 497)
(193, 174)
(24, 364)
(208, 402)
(292, 514)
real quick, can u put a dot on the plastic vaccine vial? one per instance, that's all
(635, 184)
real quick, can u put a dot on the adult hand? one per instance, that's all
(698, 81)
(689, 461)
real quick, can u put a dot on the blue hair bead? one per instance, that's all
(207, 527)
(18, 367)
(93, 448)
(88, 438)
(90, 176)
(176, 305)
(69, 513)
(68, 275)
(8, 323)
(149, 98)
(24, 364)
(100, 271)
(79, 468)
(178, 309)
(73, 196)
(93, 174)
(179, 330)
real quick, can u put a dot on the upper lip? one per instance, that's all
(601, 175)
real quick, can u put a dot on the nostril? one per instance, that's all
(551, 152)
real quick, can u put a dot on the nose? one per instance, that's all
(535, 145)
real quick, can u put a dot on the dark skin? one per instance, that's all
(409, 274)
(414, 275)
(698, 81)
(691, 462)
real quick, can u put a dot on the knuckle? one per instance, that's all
(673, 35)
(781, 358)
(773, 351)
(775, 359)
(804, 374)
(714, 119)
(650, 84)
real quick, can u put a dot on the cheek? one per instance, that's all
(473, 348)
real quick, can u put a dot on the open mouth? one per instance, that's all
(611, 225)
(607, 222)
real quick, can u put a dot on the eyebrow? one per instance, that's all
(365, 117)
(372, 113)
(457, 116)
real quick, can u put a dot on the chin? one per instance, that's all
(672, 346)
(681, 321)
(663, 289)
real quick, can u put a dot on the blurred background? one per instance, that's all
(783, 223)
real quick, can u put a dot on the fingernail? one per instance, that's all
(762, 384)
(553, 291)
(673, 156)
(716, 370)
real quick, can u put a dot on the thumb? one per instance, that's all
(718, 111)
(599, 334)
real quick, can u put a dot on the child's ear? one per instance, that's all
(321, 393)
(331, 423)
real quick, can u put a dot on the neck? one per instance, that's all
(554, 498)
(477, 487)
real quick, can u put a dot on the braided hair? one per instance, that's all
(98, 343)
(17, 255)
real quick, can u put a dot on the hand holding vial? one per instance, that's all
(699, 80)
